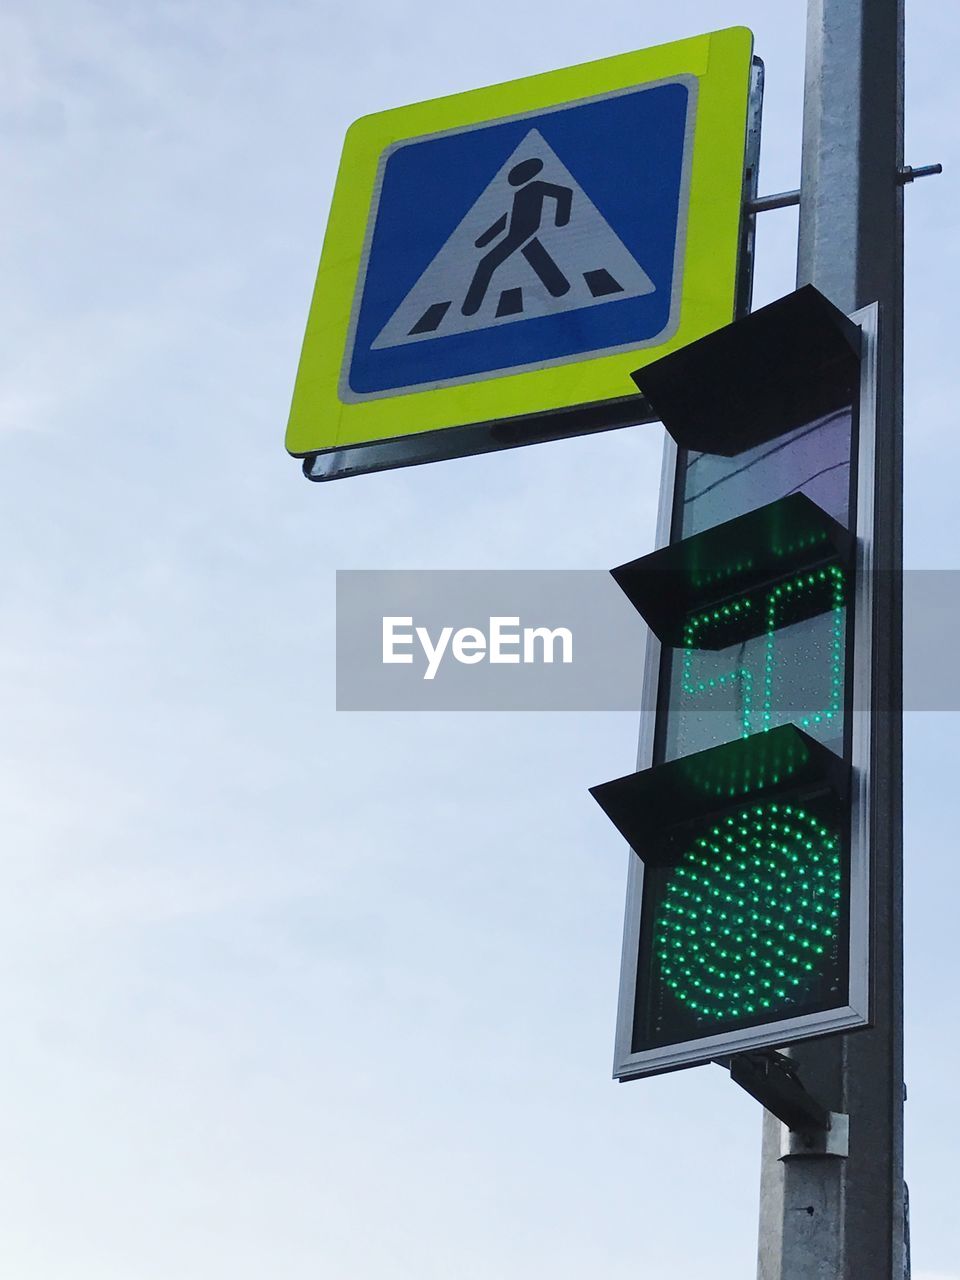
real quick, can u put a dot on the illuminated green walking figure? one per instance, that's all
(525, 220)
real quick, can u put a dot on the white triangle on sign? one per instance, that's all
(544, 248)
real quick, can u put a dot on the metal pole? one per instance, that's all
(828, 1217)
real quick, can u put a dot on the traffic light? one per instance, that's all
(748, 917)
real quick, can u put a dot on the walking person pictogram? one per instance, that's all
(532, 245)
(521, 226)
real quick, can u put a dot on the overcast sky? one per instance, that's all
(296, 994)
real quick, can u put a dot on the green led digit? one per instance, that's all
(725, 615)
(806, 594)
(781, 597)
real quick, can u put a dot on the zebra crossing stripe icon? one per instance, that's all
(533, 244)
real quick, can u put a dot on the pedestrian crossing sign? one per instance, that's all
(498, 262)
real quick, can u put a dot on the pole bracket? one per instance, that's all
(834, 1141)
(782, 200)
(772, 1079)
(785, 199)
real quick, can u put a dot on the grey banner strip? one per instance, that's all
(532, 640)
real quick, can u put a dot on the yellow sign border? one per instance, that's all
(720, 60)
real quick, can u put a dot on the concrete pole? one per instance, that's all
(823, 1217)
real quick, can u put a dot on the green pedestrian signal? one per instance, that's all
(748, 921)
(748, 912)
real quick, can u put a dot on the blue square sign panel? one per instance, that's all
(519, 244)
(497, 263)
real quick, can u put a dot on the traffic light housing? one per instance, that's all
(747, 922)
